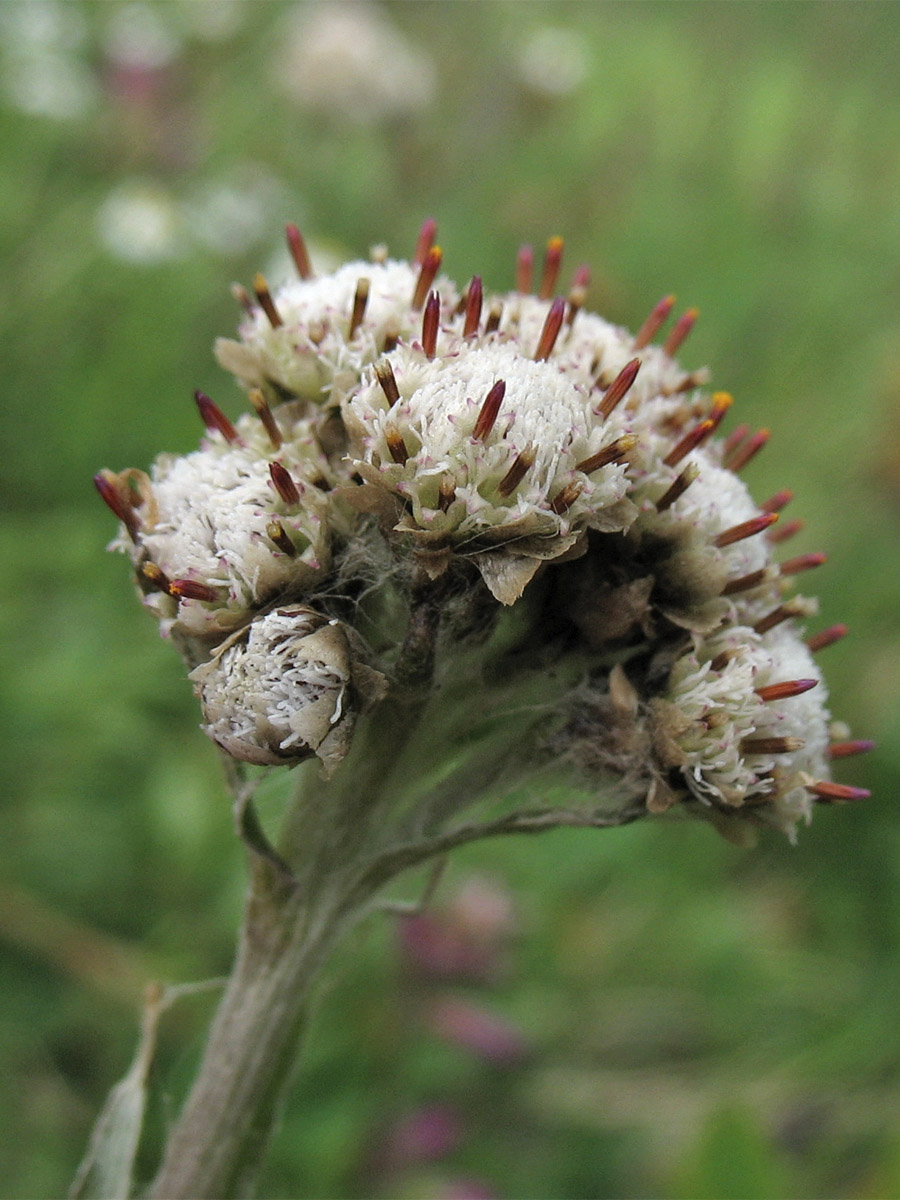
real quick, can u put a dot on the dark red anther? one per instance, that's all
(360, 300)
(734, 439)
(283, 483)
(261, 405)
(214, 419)
(777, 502)
(266, 303)
(678, 487)
(431, 319)
(803, 562)
(827, 637)
(192, 589)
(784, 612)
(396, 445)
(550, 331)
(279, 537)
(772, 745)
(552, 261)
(787, 530)
(617, 390)
(425, 240)
(746, 529)
(786, 690)
(566, 497)
(490, 410)
(243, 297)
(691, 440)
(753, 579)
(742, 454)
(298, 251)
(391, 337)
(495, 313)
(156, 577)
(680, 330)
(654, 323)
(847, 749)
(524, 269)
(474, 301)
(615, 452)
(721, 402)
(522, 464)
(427, 272)
(836, 793)
(116, 497)
(384, 373)
(446, 492)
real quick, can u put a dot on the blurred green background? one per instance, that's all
(660, 1013)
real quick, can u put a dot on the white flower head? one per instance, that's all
(313, 337)
(220, 532)
(485, 447)
(288, 687)
(755, 724)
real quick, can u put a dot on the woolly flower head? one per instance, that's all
(421, 458)
(288, 687)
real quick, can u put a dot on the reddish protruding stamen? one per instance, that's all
(278, 535)
(803, 562)
(214, 419)
(156, 577)
(721, 402)
(550, 332)
(618, 388)
(827, 637)
(577, 297)
(691, 440)
(654, 322)
(847, 749)
(680, 331)
(746, 529)
(298, 251)
(192, 589)
(261, 405)
(615, 452)
(429, 269)
(266, 303)
(490, 410)
(524, 269)
(396, 446)
(750, 448)
(384, 373)
(721, 661)
(116, 498)
(517, 472)
(474, 301)
(431, 319)
(495, 313)
(772, 745)
(784, 612)
(283, 483)
(831, 793)
(751, 580)
(678, 487)
(787, 690)
(733, 440)
(360, 300)
(427, 234)
(243, 297)
(785, 531)
(566, 497)
(552, 260)
(391, 336)
(777, 502)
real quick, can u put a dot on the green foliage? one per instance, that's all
(701, 1021)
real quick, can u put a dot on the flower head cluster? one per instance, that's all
(424, 458)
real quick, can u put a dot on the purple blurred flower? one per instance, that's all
(475, 1029)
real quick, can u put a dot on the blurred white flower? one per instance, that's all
(350, 59)
(139, 36)
(553, 61)
(42, 72)
(139, 222)
(232, 212)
